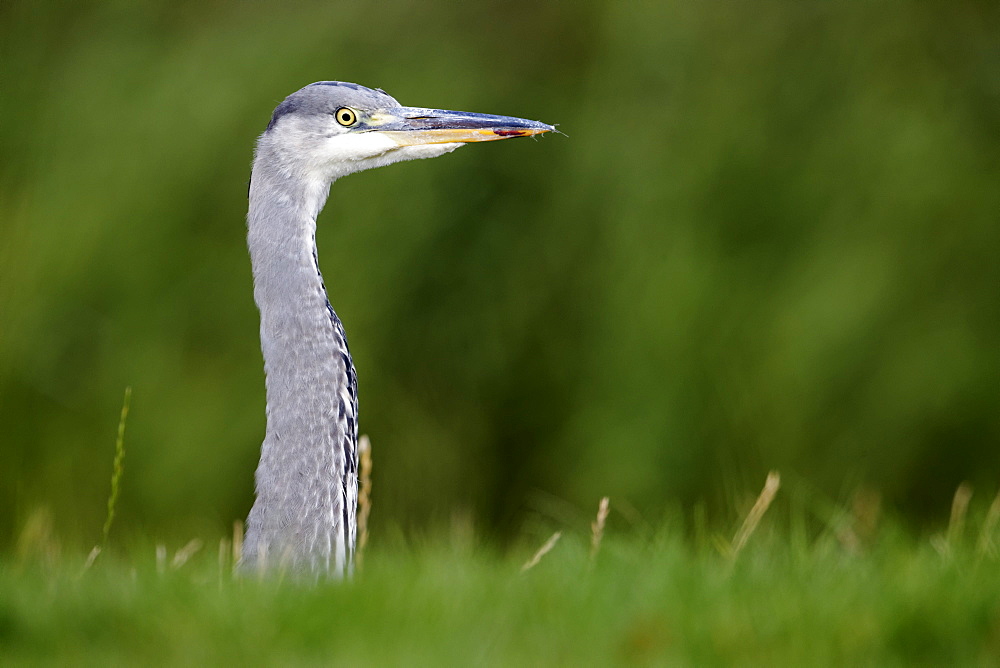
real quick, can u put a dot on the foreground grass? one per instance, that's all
(658, 599)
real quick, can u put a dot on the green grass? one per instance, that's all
(662, 598)
(118, 468)
(800, 582)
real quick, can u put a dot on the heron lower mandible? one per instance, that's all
(307, 480)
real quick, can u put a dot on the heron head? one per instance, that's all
(330, 129)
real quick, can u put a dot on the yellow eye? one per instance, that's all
(346, 117)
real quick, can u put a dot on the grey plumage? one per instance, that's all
(303, 519)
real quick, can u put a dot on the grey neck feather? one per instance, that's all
(303, 517)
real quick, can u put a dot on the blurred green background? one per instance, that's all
(768, 240)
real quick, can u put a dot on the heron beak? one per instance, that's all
(412, 126)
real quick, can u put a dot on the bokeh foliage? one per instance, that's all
(768, 240)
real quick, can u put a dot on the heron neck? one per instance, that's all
(301, 499)
(288, 286)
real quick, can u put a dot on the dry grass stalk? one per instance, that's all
(985, 544)
(364, 495)
(91, 558)
(771, 486)
(185, 553)
(959, 511)
(237, 542)
(225, 551)
(597, 527)
(542, 551)
(161, 558)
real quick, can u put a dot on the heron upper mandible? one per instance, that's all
(307, 481)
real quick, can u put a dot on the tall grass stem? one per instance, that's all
(597, 527)
(364, 495)
(771, 486)
(542, 551)
(118, 467)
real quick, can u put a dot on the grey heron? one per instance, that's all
(303, 518)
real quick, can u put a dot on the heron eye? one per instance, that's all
(346, 117)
